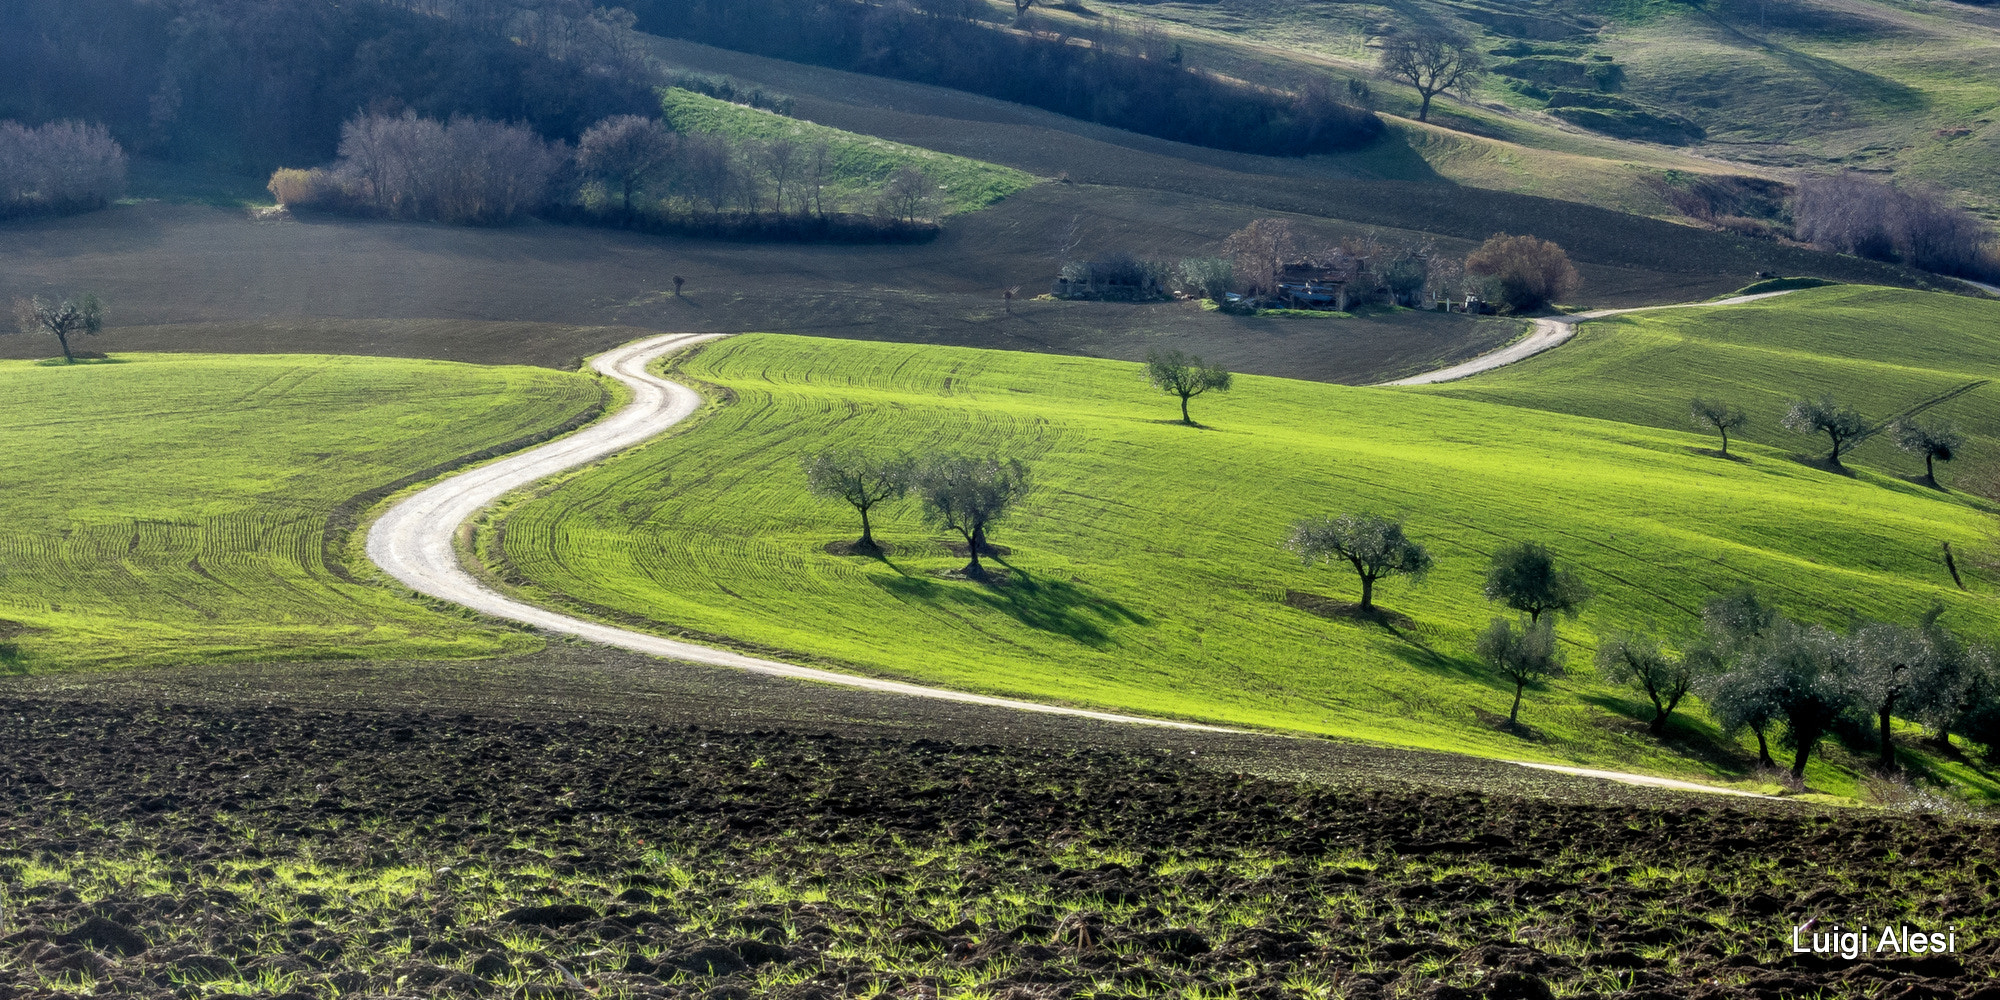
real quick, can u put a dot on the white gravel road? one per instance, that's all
(414, 542)
(1551, 332)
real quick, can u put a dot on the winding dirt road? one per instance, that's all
(414, 542)
(1551, 332)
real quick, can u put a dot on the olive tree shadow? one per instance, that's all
(1040, 602)
(1633, 716)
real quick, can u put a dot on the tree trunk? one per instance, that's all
(1725, 444)
(1888, 758)
(867, 532)
(1833, 457)
(972, 543)
(1424, 112)
(1659, 726)
(1763, 748)
(63, 339)
(1929, 472)
(1184, 413)
(1799, 758)
(1514, 714)
(1367, 592)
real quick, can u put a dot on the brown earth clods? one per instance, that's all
(146, 851)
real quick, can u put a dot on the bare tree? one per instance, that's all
(60, 166)
(910, 193)
(1843, 426)
(1186, 376)
(1261, 250)
(1530, 272)
(60, 318)
(1849, 213)
(1718, 416)
(968, 495)
(1939, 442)
(860, 480)
(1433, 60)
(1375, 546)
(1524, 656)
(817, 164)
(625, 152)
(781, 158)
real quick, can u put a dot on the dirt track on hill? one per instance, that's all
(1549, 333)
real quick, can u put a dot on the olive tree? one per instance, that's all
(1186, 376)
(969, 495)
(1717, 416)
(1812, 668)
(1526, 578)
(1939, 442)
(1208, 277)
(862, 481)
(1739, 693)
(1961, 690)
(1890, 663)
(60, 318)
(1666, 678)
(1374, 546)
(1524, 655)
(1843, 426)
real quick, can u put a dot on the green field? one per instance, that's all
(1147, 574)
(173, 508)
(1882, 350)
(859, 164)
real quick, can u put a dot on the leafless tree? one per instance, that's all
(625, 152)
(1848, 213)
(1433, 60)
(60, 318)
(817, 164)
(1261, 250)
(60, 166)
(910, 193)
(781, 159)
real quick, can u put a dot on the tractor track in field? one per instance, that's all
(1551, 332)
(414, 542)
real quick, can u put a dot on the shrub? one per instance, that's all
(1208, 277)
(58, 167)
(1527, 273)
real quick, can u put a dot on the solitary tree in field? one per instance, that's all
(1526, 578)
(968, 495)
(1843, 426)
(1717, 416)
(862, 481)
(1186, 376)
(1524, 656)
(624, 152)
(1433, 60)
(1936, 442)
(1626, 658)
(60, 318)
(1530, 273)
(1375, 546)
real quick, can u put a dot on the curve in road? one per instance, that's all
(1552, 332)
(413, 541)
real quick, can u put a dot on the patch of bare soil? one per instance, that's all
(146, 849)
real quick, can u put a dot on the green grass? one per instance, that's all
(859, 163)
(1147, 574)
(1880, 350)
(172, 508)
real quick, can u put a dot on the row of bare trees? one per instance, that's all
(1848, 213)
(478, 171)
(58, 167)
(1519, 273)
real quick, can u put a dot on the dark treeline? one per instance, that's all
(253, 84)
(58, 167)
(1132, 82)
(627, 172)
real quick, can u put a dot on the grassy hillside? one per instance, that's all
(1881, 350)
(1147, 574)
(1819, 84)
(172, 509)
(859, 164)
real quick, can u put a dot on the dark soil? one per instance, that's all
(145, 849)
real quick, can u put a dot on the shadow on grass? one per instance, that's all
(1634, 717)
(1512, 727)
(1039, 602)
(1820, 463)
(1717, 453)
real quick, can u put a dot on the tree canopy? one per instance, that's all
(1178, 374)
(1374, 546)
(1525, 577)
